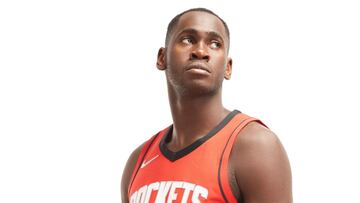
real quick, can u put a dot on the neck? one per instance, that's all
(194, 117)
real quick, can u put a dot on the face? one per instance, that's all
(195, 60)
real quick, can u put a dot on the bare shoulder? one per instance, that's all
(261, 165)
(128, 170)
(255, 134)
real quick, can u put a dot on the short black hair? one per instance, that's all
(175, 20)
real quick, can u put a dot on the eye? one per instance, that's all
(215, 44)
(187, 40)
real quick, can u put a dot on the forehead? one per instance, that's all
(200, 21)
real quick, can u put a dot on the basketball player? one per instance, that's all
(209, 153)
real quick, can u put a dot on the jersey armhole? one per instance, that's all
(140, 159)
(223, 176)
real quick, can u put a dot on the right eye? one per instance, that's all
(187, 40)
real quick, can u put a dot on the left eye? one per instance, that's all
(215, 45)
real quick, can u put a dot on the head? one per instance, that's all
(195, 57)
(175, 20)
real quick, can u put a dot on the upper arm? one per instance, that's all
(127, 173)
(261, 166)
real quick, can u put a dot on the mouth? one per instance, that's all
(197, 66)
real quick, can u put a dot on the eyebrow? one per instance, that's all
(212, 34)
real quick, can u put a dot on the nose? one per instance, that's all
(199, 52)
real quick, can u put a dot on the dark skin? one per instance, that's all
(195, 62)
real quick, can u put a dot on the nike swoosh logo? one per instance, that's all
(145, 163)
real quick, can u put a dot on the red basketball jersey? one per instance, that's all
(197, 173)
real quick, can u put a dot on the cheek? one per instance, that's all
(177, 57)
(220, 67)
(219, 62)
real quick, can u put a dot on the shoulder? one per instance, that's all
(128, 170)
(261, 165)
(256, 135)
(256, 148)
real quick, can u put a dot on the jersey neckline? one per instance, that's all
(173, 156)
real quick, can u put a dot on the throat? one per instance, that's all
(193, 124)
(178, 143)
(174, 145)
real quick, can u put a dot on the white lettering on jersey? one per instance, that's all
(152, 186)
(163, 191)
(172, 194)
(141, 194)
(133, 197)
(187, 188)
(199, 191)
(168, 191)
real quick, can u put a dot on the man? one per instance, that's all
(209, 154)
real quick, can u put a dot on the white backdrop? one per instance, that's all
(79, 91)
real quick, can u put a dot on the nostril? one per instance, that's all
(194, 56)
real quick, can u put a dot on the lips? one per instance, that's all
(197, 65)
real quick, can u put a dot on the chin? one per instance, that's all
(199, 88)
(194, 87)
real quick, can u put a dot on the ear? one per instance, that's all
(228, 69)
(160, 63)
